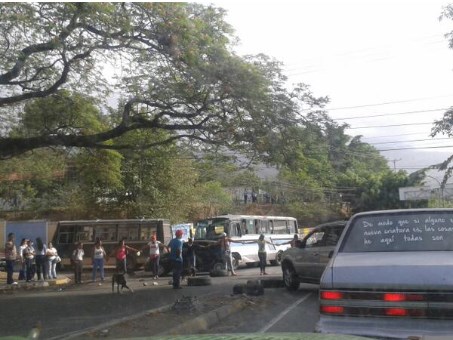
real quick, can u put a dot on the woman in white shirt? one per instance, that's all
(52, 261)
(154, 255)
(99, 256)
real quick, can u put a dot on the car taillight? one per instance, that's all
(332, 309)
(329, 295)
(396, 297)
(396, 312)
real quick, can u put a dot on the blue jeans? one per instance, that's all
(9, 271)
(41, 266)
(177, 269)
(98, 263)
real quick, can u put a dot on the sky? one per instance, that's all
(386, 59)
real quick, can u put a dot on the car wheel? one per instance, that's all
(279, 257)
(198, 281)
(235, 263)
(290, 278)
(218, 266)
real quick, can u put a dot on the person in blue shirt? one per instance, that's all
(175, 247)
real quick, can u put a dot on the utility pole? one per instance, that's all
(394, 163)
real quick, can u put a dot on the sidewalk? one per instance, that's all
(62, 279)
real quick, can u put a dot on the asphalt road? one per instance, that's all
(83, 306)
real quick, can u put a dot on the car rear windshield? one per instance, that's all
(400, 231)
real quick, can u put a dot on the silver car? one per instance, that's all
(391, 275)
(306, 261)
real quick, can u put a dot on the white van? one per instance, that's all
(247, 253)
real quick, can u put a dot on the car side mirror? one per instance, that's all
(330, 254)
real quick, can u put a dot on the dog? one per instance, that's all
(120, 281)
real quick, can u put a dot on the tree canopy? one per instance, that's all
(169, 65)
(142, 109)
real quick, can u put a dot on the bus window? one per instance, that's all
(280, 227)
(238, 229)
(250, 227)
(85, 233)
(292, 227)
(200, 231)
(147, 232)
(66, 237)
(244, 230)
(106, 232)
(128, 233)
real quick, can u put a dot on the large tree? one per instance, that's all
(169, 63)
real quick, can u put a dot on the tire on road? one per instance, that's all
(239, 288)
(218, 273)
(254, 288)
(290, 279)
(272, 283)
(198, 281)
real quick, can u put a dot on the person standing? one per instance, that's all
(262, 254)
(121, 256)
(11, 257)
(226, 251)
(29, 256)
(154, 254)
(77, 258)
(51, 261)
(175, 247)
(99, 255)
(191, 258)
(41, 259)
(22, 272)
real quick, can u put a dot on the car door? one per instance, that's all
(317, 251)
(306, 258)
(330, 239)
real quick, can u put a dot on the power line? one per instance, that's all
(391, 114)
(388, 103)
(400, 134)
(419, 147)
(385, 126)
(412, 140)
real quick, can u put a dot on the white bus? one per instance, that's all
(277, 229)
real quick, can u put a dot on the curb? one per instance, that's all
(4, 288)
(207, 320)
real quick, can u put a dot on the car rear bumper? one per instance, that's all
(397, 328)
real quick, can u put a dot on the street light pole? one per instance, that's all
(441, 190)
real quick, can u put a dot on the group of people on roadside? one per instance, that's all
(99, 259)
(36, 260)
